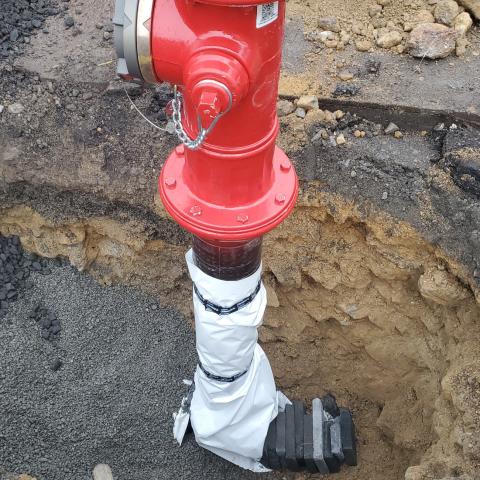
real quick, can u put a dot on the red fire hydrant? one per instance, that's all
(227, 181)
(228, 184)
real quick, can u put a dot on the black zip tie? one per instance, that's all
(217, 378)
(211, 307)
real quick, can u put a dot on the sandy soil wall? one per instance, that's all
(362, 307)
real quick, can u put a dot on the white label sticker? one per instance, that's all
(266, 14)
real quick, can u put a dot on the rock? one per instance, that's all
(14, 34)
(398, 134)
(384, 2)
(363, 45)
(446, 11)
(308, 102)
(424, 16)
(463, 23)
(329, 117)
(331, 44)
(315, 117)
(416, 472)
(56, 365)
(441, 287)
(322, 134)
(1, 108)
(284, 108)
(345, 37)
(392, 128)
(329, 23)
(473, 6)
(326, 35)
(102, 472)
(431, 40)
(345, 75)
(375, 10)
(170, 128)
(461, 47)
(357, 28)
(389, 39)
(16, 108)
(345, 90)
(313, 120)
(300, 113)
(379, 22)
(341, 139)
(69, 21)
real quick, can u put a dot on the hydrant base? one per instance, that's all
(222, 222)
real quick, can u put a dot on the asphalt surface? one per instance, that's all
(102, 390)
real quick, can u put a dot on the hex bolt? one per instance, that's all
(285, 166)
(170, 182)
(280, 198)
(242, 218)
(196, 211)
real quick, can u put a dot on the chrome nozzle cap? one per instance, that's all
(132, 21)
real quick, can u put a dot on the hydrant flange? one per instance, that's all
(212, 220)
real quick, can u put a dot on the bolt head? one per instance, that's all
(285, 166)
(170, 182)
(196, 211)
(242, 218)
(280, 198)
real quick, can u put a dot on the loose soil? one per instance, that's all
(373, 282)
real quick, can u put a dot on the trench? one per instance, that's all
(360, 306)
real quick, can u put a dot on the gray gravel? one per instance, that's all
(103, 392)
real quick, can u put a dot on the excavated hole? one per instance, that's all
(361, 307)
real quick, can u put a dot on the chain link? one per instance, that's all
(179, 130)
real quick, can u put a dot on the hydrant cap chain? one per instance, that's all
(194, 144)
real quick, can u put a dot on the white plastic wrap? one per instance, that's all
(232, 419)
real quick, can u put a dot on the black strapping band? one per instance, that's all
(211, 307)
(217, 378)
